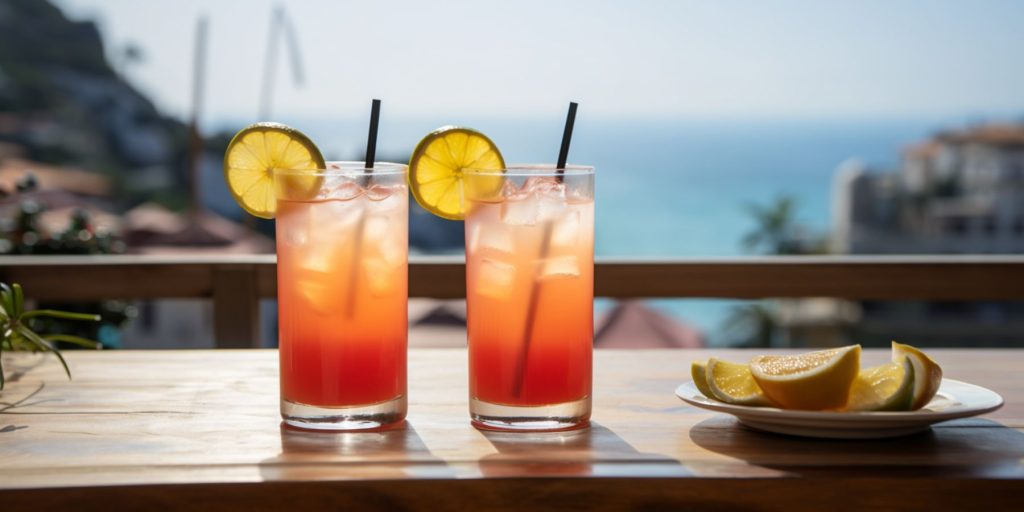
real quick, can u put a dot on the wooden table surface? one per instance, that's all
(200, 430)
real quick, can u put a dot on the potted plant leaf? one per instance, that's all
(17, 334)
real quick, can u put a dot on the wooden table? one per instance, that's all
(200, 429)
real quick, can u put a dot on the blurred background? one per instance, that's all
(783, 127)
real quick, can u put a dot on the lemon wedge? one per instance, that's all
(732, 383)
(927, 373)
(253, 155)
(887, 387)
(811, 381)
(438, 168)
(698, 371)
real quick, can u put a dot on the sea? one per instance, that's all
(665, 187)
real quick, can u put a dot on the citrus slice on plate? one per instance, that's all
(698, 371)
(812, 381)
(732, 383)
(438, 168)
(252, 157)
(927, 373)
(887, 387)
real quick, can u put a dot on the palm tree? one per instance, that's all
(776, 231)
(751, 325)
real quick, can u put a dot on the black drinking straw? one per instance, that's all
(371, 155)
(371, 139)
(563, 152)
(545, 244)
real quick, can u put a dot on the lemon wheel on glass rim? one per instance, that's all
(253, 155)
(439, 164)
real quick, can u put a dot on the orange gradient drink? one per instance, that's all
(342, 292)
(529, 272)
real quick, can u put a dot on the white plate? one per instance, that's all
(955, 400)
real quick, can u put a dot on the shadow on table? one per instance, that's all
(392, 452)
(594, 451)
(19, 367)
(972, 447)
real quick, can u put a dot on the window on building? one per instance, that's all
(955, 226)
(1018, 226)
(988, 225)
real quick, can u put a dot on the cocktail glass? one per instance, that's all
(529, 292)
(342, 267)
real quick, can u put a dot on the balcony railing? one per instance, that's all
(237, 283)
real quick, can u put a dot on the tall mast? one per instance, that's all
(195, 143)
(280, 26)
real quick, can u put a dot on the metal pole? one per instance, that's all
(195, 148)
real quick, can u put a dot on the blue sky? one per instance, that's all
(763, 59)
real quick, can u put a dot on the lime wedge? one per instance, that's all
(927, 373)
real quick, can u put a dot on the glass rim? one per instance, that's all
(535, 170)
(349, 168)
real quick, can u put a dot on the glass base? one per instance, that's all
(356, 417)
(563, 416)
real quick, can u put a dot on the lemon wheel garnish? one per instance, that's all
(438, 167)
(256, 152)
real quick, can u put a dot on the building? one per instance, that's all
(959, 192)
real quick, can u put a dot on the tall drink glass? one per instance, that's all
(530, 293)
(342, 267)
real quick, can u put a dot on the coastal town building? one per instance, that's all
(958, 192)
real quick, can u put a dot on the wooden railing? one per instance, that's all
(236, 283)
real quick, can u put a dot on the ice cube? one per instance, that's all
(509, 189)
(551, 200)
(340, 188)
(376, 227)
(493, 239)
(318, 291)
(294, 226)
(396, 198)
(559, 267)
(378, 192)
(495, 278)
(579, 195)
(392, 248)
(538, 183)
(566, 230)
(318, 258)
(381, 235)
(381, 276)
(296, 236)
(336, 217)
(520, 211)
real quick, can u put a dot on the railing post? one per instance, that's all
(236, 312)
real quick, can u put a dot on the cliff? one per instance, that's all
(62, 103)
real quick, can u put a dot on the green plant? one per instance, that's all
(752, 325)
(16, 331)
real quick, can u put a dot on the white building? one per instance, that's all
(959, 192)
